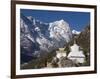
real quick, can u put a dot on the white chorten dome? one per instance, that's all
(61, 53)
(76, 55)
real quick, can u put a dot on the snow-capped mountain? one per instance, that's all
(76, 32)
(60, 32)
(38, 37)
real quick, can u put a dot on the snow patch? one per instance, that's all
(76, 32)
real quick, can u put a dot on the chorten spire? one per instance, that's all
(74, 41)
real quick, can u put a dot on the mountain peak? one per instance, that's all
(76, 32)
(30, 18)
(62, 20)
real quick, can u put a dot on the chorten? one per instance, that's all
(76, 54)
(61, 53)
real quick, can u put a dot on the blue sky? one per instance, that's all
(76, 20)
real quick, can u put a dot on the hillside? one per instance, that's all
(83, 40)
